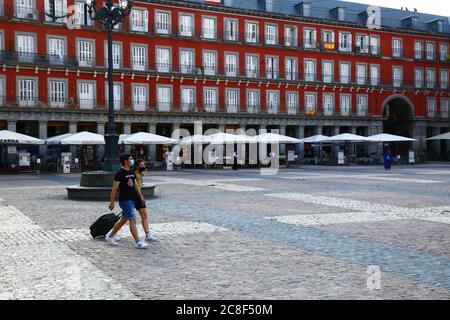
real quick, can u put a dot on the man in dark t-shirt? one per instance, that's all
(129, 193)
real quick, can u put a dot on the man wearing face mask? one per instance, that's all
(139, 171)
(129, 192)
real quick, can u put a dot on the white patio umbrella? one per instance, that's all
(385, 137)
(195, 139)
(444, 136)
(84, 138)
(347, 137)
(145, 138)
(267, 138)
(10, 137)
(57, 139)
(227, 138)
(123, 137)
(315, 139)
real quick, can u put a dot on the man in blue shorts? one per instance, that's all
(129, 193)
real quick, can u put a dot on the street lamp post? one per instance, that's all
(109, 16)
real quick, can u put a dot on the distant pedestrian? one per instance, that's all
(141, 207)
(129, 192)
(235, 160)
(387, 160)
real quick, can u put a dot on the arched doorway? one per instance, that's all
(398, 114)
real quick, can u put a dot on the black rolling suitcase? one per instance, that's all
(105, 223)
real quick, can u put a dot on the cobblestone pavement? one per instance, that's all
(305, 233)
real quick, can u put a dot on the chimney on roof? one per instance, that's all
(338, 13)
(304, 7)
(436, 26)
(410, 22)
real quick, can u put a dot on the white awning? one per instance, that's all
(11, 138)
(444, 136)
(84, 138)
(57, 139)
(347, 137)
(226, 138)
(268, 138)
(315, 139)
(385, 137)
(145, 138)
(195, 139)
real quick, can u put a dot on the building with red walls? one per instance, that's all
(304, 68)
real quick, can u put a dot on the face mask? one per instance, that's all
(131, 162)
(141, 170)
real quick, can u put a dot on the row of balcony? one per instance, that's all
(212, 71)
(89, 104)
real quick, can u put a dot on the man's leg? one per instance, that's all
(133, 230)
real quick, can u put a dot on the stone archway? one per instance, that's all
(398, 115)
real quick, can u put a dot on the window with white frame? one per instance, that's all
(431, 107)
(25, 9)
(231, 29)
(231, 64)
(362, 105)
(374, 45)
(444, 79)
(444, 107)
(327, 71)
(328, 104)
(82, 14)
(60, 7)
(328, 39)
(140, 98)
(345, 42)
(163, 22)
(210, 99)
(418, 50)
(443, 52)
(57, 93)
(361, 74)
(209, 28)
(186, 25)
(396, 48)
(164, 98)
(187, 99)
(252, 66)
(291, 69)
(56, 50)
(85, 53)
(291, 102)
(374, 75)
(232, 100)
(116, 55)
(271, 34)
(163, 60)
(251, 32)
(430, 51)
(310, 103)
(187, 64)
(252, 101)
(271, 67)
(27, 93)
(290, 36)
(362, 43)
(273, 102)
(430, 78)
(309, 38)
(397, 77)
(418, 77)
(139, 20)
(310, 70)
(26, 49)
(117, 95)
(139, 56)
(210, 63)
(345, 104)
(86, 94)
(344, 72)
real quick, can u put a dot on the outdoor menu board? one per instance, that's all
(24, 159)
(341, 157)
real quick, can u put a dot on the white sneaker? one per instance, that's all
(150, 238)
(141, 245)
(111, 241)
(116, 237)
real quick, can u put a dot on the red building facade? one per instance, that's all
(179, 62)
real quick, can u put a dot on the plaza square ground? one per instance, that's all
(305, 233)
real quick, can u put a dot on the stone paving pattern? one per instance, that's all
(305, 233)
